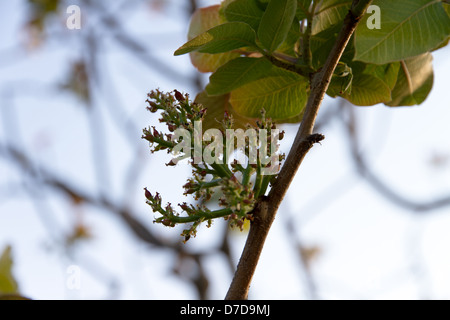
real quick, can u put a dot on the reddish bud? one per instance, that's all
(184, 206)
(148, 195)
(148, 136)
(153, 107)
(179, 96)
(167, 223)
(187, 185)
(171, 127)
(171, 163)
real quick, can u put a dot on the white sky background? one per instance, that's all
(370, 249)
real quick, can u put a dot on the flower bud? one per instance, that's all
(179, 96)
(153, 107)
(171, 163)
(148, 195)
(184, 206)
(172, 127)
(167, 223)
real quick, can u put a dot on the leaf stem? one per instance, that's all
(246, 175)
(221, 170)
(307, 58)
(257, 186)
(205, 215)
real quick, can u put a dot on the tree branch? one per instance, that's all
(267, 207)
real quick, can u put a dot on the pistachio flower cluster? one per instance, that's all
(238, 185)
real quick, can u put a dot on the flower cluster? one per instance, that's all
(238, 186)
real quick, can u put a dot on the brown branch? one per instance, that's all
(265, 211)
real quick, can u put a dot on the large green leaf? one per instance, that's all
(408, 28)
(322, 43)
(370, 84)
(328, 13)
(415, 81)
(341, 81)
(237, 73)
(388, 73)
(368, 90)
(8, 285)
(222, 38)
(289, 45)
(282, 94)
(202, 20)
(246, 11)
(276, 22)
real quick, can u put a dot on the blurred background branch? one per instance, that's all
(73, 167)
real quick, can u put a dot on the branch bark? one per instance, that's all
(267, 207)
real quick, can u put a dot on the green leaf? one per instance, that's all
(237, 73)
(415, 81)
(322, 43)
(388, 73)
(206, 62)
(447, 8)
(408, 28)
(289, 45)
(222, 38)
(367, 90)
(303, 9)
(282, 94)
(341, 81)
(246, 11)
(368, 84)
(202, 20)
(8, 284)
(329, 13)
(276, 22)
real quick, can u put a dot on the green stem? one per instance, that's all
(307, 58)
(221, 170)
(164, 143)
(205, 185)
(257, 186)
(201, 215)
(246, 175)
(300, 69)
(264, 185)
